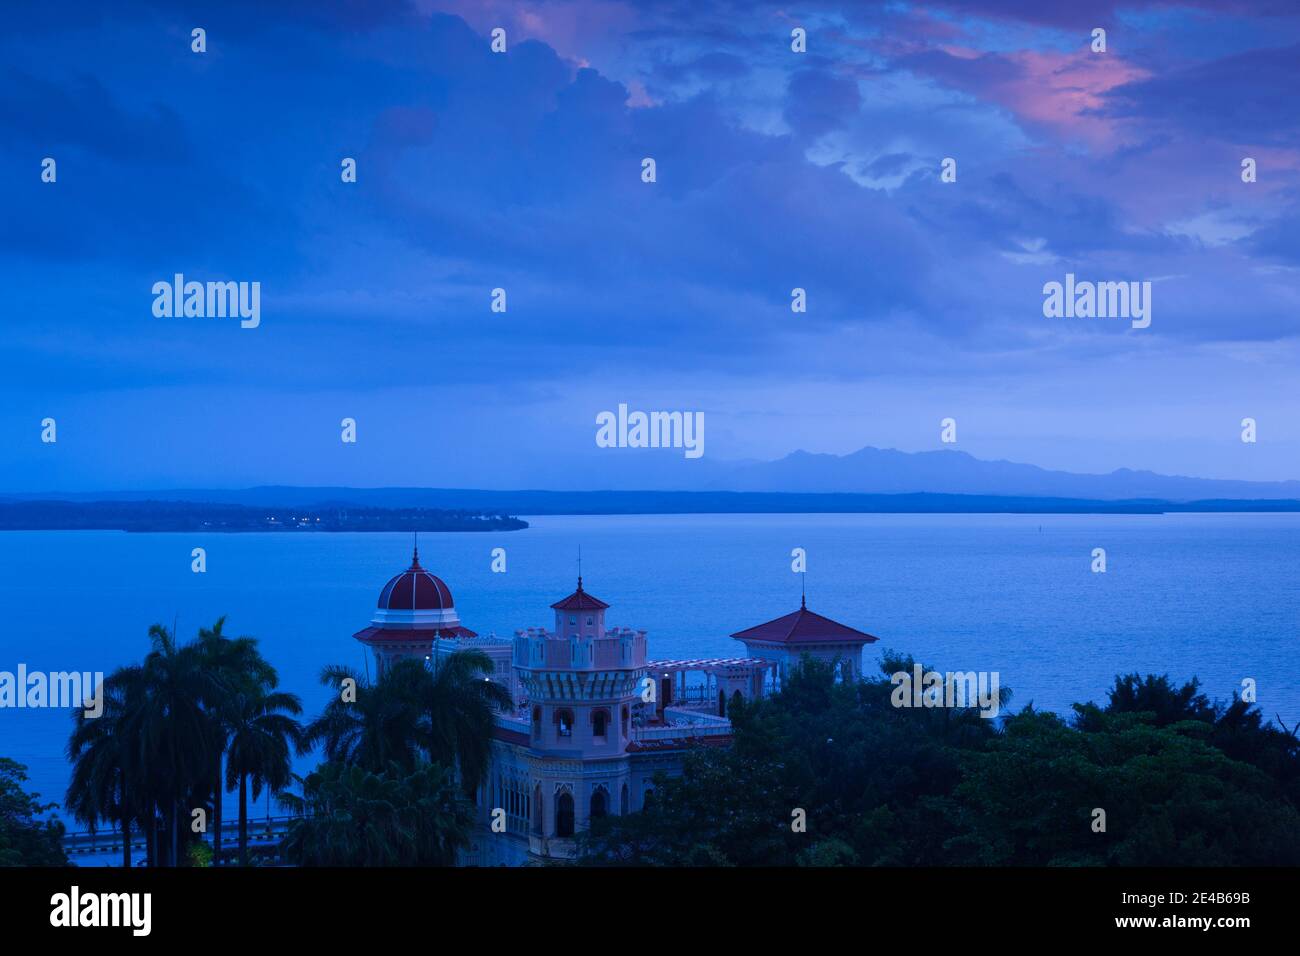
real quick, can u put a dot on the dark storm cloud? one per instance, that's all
(523, 171)
(819, 100)
(1248, 98)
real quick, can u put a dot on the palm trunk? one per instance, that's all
(174, 855)
(150, 825)
(123, 805)
(216, 813)
(243, 819)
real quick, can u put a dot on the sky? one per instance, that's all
(522, 170)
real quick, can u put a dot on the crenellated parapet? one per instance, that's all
(539, 649)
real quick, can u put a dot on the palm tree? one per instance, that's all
(459, 714)
(159, 745)
(105, 776)
(234, 665)
(347, 816)
(370, 725)
(172, 737)
(445, 714)
(261, 736)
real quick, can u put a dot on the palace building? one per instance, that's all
(593, 719)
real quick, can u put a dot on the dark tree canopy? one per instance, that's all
(1182, 781)
(27, 838)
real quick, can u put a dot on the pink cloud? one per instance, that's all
(1059, 92)
(1066, 91)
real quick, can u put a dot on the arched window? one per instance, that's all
(722, 703)
(599, 803)
(622, 801)
(564, 815)
(564, 722)
(625, 719)
(538, 817)
(736, 698)
(648, 800)
(599, 723)
(537, 723)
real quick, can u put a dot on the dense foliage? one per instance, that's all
(197, 720)
(352, 817)
(443, 714)
(1181, 781)
(824, 773)
(27, 837)
(387, 794)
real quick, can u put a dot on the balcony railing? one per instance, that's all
(519, 724)
(681, 731)
(688, 714)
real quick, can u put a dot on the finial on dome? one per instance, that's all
(579, 568)
(415, 554)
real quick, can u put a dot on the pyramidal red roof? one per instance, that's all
(580, 600)
(803, 627)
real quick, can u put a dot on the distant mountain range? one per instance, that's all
(887, 471)
(868, 480)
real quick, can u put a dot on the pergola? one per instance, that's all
(723, 676)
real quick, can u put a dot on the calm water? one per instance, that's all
(1214, 596)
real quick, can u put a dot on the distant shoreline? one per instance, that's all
(187, 516)
(304, 510)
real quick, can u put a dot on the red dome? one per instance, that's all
(415, 589)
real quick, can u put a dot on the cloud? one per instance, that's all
(1247, 98)
(819, 100)
(522, 171)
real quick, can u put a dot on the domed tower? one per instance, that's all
(582, 683)
(415, 610)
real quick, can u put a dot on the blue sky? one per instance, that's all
(522, 171)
